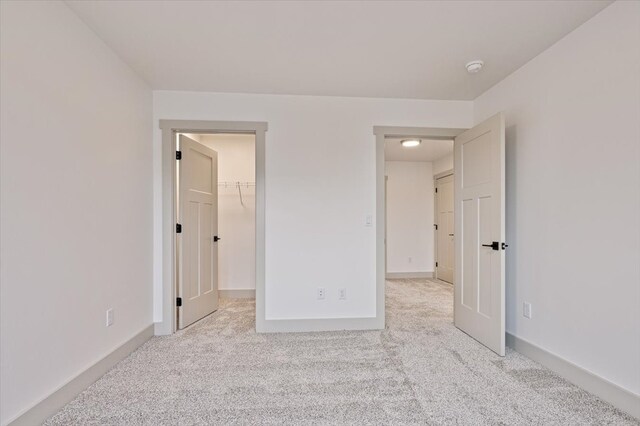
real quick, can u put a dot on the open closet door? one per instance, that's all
(197, 240)
(479, 164)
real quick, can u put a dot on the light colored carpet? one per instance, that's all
(420, 370)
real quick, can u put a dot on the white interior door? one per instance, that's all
(445, 230)
(198, 218)
(479, 164)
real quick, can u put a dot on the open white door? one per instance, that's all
(198, 219)
(444, 230)
(479, 164)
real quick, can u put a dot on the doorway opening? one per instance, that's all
(200, 195)
(415, 228)
(216, 210)
(478, 221)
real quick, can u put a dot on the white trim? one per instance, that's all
(60, 397)
(442, 174)
(237, 294)
(393, 275)
(417, 132)
(615, 395)
(169, 128)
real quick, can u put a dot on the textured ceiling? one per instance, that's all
(372, 49)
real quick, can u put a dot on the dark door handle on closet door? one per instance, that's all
(494, 245)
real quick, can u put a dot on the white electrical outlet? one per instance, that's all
(342, 293)
(109, 317)
(321, 293)
(526, 310)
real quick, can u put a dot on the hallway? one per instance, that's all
(420, 370)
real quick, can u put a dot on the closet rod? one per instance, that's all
(238, 185)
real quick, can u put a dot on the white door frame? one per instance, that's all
(381, 133)
(168, 325)
(435, 218)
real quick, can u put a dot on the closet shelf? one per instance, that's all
(237, 184)
(229, 184)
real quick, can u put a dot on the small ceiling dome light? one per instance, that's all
(410, 143)
(474, 66)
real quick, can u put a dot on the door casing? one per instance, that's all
(381, 133)
(168, 324)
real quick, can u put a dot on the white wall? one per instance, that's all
(573, 195)
(410, 204)
(195, 136)
(443, 164)
(236, 221)
(76, 197)
(320, 186)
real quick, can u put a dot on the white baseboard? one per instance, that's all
(66, 393)
(323, 324)
(160, 329)
(392, 275)
(237, 294)
(620, 398)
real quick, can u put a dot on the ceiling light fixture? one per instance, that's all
(474, 66)
(410, 143)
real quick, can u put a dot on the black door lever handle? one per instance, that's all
(216, 238)
(494, 245)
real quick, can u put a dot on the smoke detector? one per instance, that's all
(474, 66)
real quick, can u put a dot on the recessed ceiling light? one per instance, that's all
(409, 143)
(474, 66)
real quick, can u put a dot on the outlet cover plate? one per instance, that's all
(109, 319)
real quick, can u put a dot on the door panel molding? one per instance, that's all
(479, 296)
(198, 216)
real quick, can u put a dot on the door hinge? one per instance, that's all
(436, 264)
(436, 225)
(178, 301)
(178, 228)
(178, 155)
(436, 190)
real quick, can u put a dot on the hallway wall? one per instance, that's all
(444, 164)
(410, 216)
